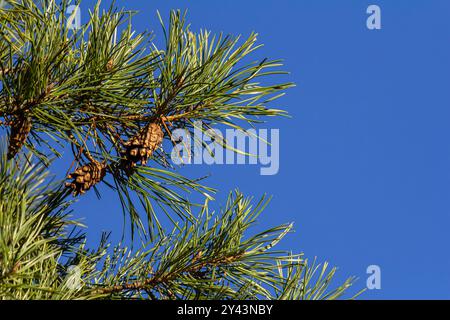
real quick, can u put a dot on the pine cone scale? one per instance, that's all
(86, 177)
(142, 146)
(20, 129)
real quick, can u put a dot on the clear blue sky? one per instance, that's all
(365, 160)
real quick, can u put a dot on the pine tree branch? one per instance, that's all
(156, 280)
(98, 94)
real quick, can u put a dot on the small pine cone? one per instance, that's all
(86, 176)
(141, 147)
(110, 65)
(20, 128)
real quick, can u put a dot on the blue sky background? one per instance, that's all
(365, 160)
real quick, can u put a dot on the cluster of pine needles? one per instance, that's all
(106, 99)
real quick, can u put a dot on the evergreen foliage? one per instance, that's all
(107, 96)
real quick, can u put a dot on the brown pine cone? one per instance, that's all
(141, 147)
(20, 128)
(86, 177)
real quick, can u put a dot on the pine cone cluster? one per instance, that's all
(141, 147)
(86, 177)
(20, 128)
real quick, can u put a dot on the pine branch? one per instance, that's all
(110, 96)
(92, 91)
(156, 280)
(211, 257)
